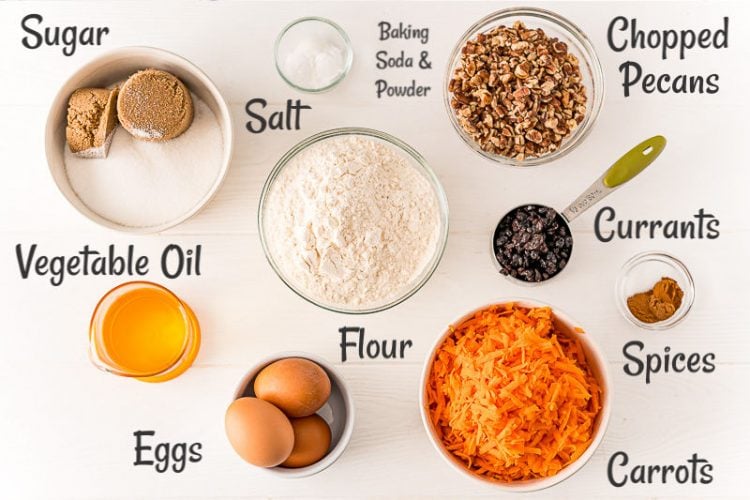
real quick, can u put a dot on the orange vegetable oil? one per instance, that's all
(142, 330)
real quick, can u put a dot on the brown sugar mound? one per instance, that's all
(154, 105)
(91, 121)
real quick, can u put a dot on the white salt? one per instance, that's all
(145, 184)
(314, 63)
(312, 55)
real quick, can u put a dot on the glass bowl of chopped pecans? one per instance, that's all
(523, 86)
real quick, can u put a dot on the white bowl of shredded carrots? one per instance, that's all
(516, 395)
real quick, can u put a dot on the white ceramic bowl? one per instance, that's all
(598, 365)
(338, 412)
(114, 66)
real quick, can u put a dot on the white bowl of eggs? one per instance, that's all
(291, 415)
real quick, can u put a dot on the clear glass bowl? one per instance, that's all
(417, 161)
(641, 272)
(296, 32)
(578, 44)
(117, 304)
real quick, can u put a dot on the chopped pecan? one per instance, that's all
(518, 92)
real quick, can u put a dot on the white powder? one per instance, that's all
(312, 54)
(147, 133)
(351, 222)
(314, 63)
(143, 184)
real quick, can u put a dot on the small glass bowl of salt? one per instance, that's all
(313, 54)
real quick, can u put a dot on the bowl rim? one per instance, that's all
(669, 259)
(342, 386)
(604, 378)
(224, 118)
(418, 161)
(598, 84)
(342, 33)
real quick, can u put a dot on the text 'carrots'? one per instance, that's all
(511, 395)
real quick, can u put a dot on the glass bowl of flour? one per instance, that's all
(353, 220)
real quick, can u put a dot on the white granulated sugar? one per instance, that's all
(146, 133)
(144, 184)
(351, 222)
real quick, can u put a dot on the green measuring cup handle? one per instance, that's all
(628, 166)
(634, 161)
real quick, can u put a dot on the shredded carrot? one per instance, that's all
(510, 394)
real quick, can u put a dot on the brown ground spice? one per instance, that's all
(657, 304)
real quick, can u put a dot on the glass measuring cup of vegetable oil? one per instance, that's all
(142, 330)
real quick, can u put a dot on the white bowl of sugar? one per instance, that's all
(142, 186)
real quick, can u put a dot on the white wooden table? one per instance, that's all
(66, 429)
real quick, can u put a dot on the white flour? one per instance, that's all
(351, 222)
(142, 184)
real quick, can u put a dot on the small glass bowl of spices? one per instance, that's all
(313, 54)
(654, 290)
(523, 86)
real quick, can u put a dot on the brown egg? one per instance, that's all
(312, 437)
(296, 385)
(259, 432)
